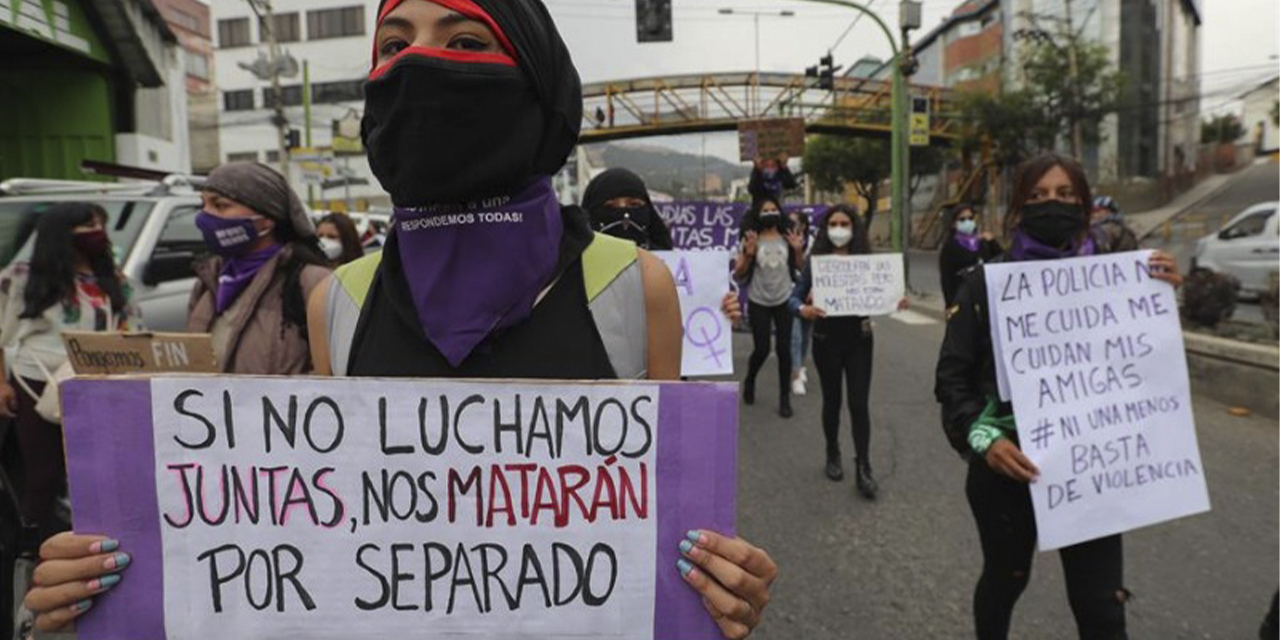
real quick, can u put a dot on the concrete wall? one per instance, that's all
(1256, 109)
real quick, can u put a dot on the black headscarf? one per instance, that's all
(646, 227)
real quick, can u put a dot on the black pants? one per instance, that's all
(764, 321)
(40, 443)
(1094, 570)
(842, 351)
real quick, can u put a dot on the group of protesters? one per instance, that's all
(471, 300)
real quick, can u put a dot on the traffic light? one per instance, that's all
(825, 72)
(293, 139)
(653, 21)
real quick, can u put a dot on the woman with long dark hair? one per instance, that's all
(339, 239)
(484, 274)
(1049, 220)
(70, 284)
(801, 329)
(842, 350)
(964, 247)
(767, 260)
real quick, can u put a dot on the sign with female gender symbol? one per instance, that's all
(702, 279)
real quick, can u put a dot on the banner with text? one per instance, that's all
(265, 508)
(714, 225)
(1092, 352)
(702, 279)
(858, 285)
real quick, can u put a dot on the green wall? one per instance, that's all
(50, 120)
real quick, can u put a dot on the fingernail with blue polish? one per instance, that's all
(684, 566)
(686, 546)
(83, 605)
(118, 561)
(107, 581)
(694, 535)
(104, 546)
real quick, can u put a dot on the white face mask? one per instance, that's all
(967, 226)
(332, 248)
(840, 236)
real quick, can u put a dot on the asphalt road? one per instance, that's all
(904, 566)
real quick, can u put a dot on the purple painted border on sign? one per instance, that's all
(696, 490)
(111, 471)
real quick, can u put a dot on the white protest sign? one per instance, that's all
(858, 285)
(1092, 349)
(702, 279)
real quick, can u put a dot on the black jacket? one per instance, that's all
(966, 374)
(760, 187)
(954, 258)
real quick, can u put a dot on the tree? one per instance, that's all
(1221, 129)
(832, 162)
(925, 162)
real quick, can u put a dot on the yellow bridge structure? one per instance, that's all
(670, 105)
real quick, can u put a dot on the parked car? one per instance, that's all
(1247, 247)
(151, 226)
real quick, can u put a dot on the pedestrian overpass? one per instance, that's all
(697, 103)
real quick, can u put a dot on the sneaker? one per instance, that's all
(797, 387)
(804, 375)
(784, 408)
(866, 484)
(835, 472)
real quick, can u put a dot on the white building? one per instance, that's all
(334, 38)
(1258, 115)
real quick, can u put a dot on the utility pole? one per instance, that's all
(267, 21)
(306, 122)
(1077, 142)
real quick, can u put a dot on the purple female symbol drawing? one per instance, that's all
(696, 332)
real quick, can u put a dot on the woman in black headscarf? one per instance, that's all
(619, 205)
(471, 106)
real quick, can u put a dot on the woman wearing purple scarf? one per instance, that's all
(964, 247)
(251, 294)
(1049, 220)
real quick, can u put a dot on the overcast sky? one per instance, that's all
(1238, 38)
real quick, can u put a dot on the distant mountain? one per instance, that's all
(670, 171)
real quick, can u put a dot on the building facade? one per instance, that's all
(191, 23)
(98, 80)
(1259, 110)
(332, 40)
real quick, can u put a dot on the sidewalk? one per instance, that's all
(1146, 222)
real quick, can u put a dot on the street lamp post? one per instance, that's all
(755, 15)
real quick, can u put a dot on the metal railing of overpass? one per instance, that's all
(670, 105)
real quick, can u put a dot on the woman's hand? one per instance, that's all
(904, 304)
(796, 240)
(749, 244)
(733, 578)
(73, 570)
(811, 313)
(1164, 267)
(731, 307)
(8, 400)
(988, 236)
(1006, 458)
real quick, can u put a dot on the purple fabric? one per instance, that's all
(478, 268)
(238, 272)
(970, 241)
(111, 470)
(1027, 248)
(702, 454)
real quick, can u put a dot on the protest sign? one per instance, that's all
(92, 352)
(770, 139)
(1092, 352)
(859, 285)
(266, 508)
(702, 279)
(713, 225)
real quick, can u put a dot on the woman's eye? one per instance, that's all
(392, 47)
(468, 43)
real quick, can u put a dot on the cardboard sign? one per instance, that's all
(1091, 351)
(702, 279)
(100, 353)
(859, 285)
(770, 139)
(266, 508)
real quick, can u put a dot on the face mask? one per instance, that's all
(628, 223)
(840, 236)
(91, 244)
(331, 247)
(967, 227)
(1053, 222)
(227, 237)
(770, 220)
(442, 133)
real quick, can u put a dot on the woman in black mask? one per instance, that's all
(619, 205)
(1049, 220)
(471, 106)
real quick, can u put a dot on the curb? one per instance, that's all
(1231, 179)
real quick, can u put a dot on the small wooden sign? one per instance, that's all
(93, 353)
(770, 138)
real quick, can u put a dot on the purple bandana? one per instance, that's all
(1027, 248)
(478, 267)
(238, 272)
(970, 241)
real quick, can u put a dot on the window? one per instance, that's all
(292, 95)
(244, 156)
(183, 19)
(288, 28)
(335, 23)
(238, 100)
(331, 92)
(1250, 226)
(273, 156)
(197, 64)
(179, 243)
(233, 32)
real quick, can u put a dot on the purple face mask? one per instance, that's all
(227, 237)
(477, 268)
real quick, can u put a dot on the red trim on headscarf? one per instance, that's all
(444, 54)
(467, 8)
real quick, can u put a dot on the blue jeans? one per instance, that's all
(800, 341)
